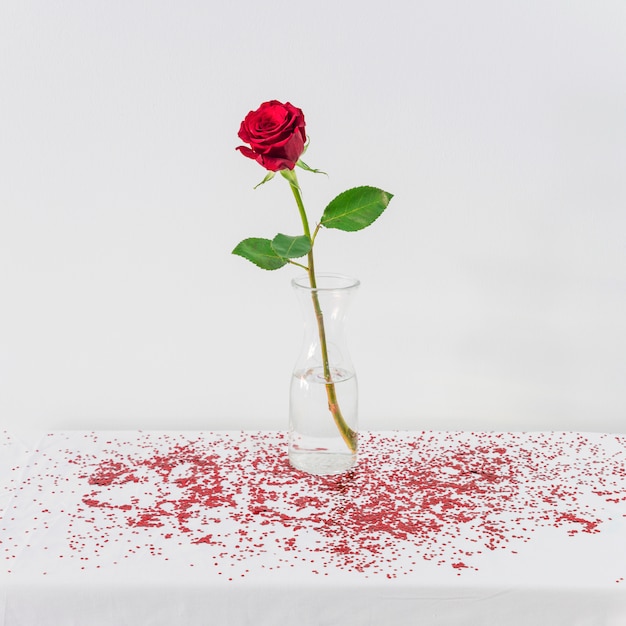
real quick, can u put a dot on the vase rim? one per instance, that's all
(326, 281)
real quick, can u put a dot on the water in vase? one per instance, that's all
(315, 443)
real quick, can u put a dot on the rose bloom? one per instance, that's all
(276, 135)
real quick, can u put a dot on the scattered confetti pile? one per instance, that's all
(446, 498)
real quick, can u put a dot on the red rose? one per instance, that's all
(275, 132)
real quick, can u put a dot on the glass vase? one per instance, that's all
(323, 399)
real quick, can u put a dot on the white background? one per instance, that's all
(493, 289)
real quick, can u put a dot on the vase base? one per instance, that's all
(321, 463)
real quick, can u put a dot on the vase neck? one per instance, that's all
(325, 307)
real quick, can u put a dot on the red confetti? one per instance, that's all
(439, 497)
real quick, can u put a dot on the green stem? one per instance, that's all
(304, 267)
(317, 228)
(348, 435)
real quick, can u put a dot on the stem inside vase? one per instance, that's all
(348, 435)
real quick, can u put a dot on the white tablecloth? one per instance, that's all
(433, 528)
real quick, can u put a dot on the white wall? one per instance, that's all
(493, 289)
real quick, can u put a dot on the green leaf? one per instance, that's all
(269, 176)
(304, 166)
(356, 208)
(291, 247)
(260, 252)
